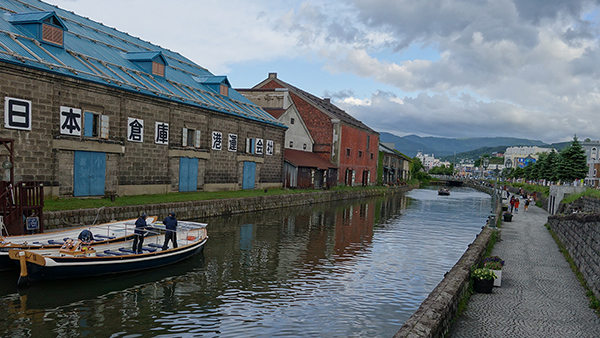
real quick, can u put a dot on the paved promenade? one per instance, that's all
(540, 295)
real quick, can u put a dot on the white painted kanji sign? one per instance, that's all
(232, 142)
(70, 121)
(269, 150)
(259, 146)
(161, 133)
(217, 140)
(135, 130)
(17, 113)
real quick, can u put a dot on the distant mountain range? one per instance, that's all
(442, 147)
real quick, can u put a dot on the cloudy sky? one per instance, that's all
(448, 68)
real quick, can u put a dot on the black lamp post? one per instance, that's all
(485, 163)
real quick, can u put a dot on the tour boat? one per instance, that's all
(103, 233)
(444, 191)
(75, 260)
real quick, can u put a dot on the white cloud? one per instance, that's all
(523, 68)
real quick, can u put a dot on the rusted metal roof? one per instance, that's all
(306, 159)
(324, 105)
(275, 112)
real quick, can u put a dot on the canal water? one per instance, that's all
(348, 269)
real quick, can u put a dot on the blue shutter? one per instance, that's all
(89, 173)
(183, 173)
(188, 174)
(88, 128)
(249, 176)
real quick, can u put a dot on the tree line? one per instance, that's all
(568, 165)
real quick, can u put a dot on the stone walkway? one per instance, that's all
(540, 295)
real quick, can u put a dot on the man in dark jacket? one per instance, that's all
(171, 224)
(139, 233)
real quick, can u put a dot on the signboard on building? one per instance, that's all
(161, 133)
(217, 140)
(135, 130)
(70, 121)
(17, 113)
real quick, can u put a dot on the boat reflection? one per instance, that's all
(59, 293)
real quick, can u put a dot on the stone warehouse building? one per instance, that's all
(92, 111)
(346, 142)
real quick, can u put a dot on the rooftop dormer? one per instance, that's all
(219, 84)
(151, 62)
(46, 27)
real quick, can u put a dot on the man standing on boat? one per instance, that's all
(139, 233)
(171, 224)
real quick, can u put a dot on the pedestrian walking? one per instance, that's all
(512, 203)
(171, 235)
(517, 201)
(526, 204)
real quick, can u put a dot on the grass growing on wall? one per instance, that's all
(588, 192)
(594, 302)
(58, 204)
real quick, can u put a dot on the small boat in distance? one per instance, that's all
(76, 260)
(444, 191)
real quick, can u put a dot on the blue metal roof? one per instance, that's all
(145, 56)
(31, 17)
(100, 54)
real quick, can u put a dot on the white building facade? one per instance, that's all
(521, 156)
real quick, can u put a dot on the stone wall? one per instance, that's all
(580, 235)
(207, 208)
(586, 203)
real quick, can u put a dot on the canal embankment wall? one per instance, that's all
(209, 208)
(436, 314)
(579, 233)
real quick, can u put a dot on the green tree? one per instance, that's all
(416, 170)
(517, 172)
(536, 170)
(548, 167)
(528, 171)
(572, 163)
(416, 165)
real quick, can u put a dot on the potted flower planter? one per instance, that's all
(483, 285)
(505, 208)
(507, 217)
(495, 264)
(483, 280)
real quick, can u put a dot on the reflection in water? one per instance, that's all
(333, 270)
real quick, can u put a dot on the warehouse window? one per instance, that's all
(190, 138)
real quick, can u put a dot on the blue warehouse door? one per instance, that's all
(89, 173)
(188, 174)
(249, 175)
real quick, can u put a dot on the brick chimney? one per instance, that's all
(327, 100)
(272, 75)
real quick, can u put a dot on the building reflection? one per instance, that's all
(262, 257)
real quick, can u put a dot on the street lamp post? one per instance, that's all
(485, 163)
(508, 165)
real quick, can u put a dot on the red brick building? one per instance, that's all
(338, 137)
